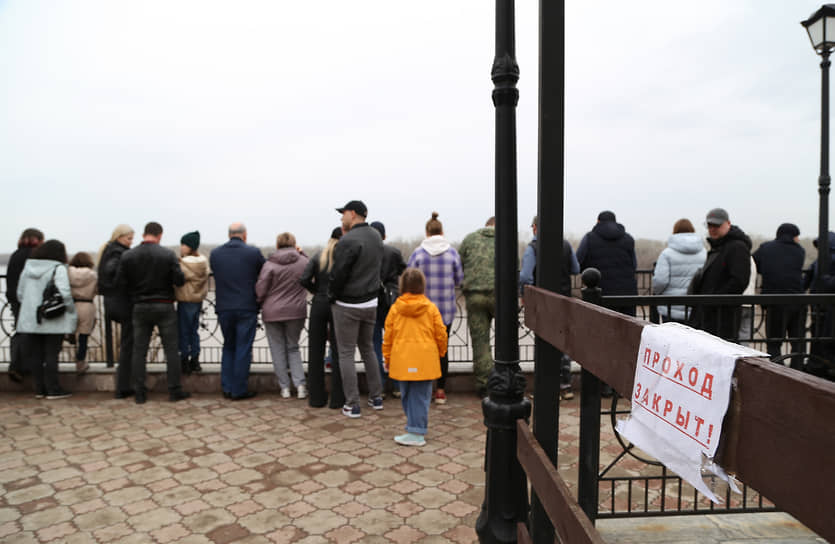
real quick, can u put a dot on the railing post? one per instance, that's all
(589, 465)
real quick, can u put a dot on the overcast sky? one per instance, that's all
(199, 113)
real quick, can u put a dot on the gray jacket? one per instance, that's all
(36, 274)
(357, 260)
(676, 266)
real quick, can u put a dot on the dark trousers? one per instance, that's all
(786, 320)
(188, 321)
(317, 334)
(147, 315)
(41, 352)
(123, 315)
(238, 327)
(441, 383)
(81, 350)
(18, 362)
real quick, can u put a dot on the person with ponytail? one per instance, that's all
(441, 265)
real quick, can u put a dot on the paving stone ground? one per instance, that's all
(94, 469)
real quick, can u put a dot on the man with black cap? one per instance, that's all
(726, 271)
(780, 263)
(611, 250)
(353, 287)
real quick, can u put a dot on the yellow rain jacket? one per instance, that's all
(415, 339)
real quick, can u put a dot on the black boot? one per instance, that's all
(194, 364)
(185, 366)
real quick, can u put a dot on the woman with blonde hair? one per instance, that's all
(315, 279)
(117, 305)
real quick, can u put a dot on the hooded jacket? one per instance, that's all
(196, 271)
(478, 259)
(36, 274)
(610, 249)
(415, 339)
(441, 265)
(810, 281)
(83, 287)
(678, 263)
(727, 268)
(278, 289)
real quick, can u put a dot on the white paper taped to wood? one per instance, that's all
(680, 397)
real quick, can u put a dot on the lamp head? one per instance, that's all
(821, 28)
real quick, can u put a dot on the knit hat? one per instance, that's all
(336, 233)
(789, 229)
(606, 216)
(191, 239)
(380, 228)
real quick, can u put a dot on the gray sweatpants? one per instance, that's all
(354, 328)
(283, 337)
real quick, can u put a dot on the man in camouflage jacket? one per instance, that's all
(478, 256)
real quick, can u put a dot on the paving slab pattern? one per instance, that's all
(207, 470)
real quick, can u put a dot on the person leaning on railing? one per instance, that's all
(29, 240)
(677, 264)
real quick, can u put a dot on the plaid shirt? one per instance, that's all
(443, 273)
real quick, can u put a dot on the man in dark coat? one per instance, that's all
(149, 273)
(780, 263)
(392, 266)
(28, 241)
(611, 250)
(236, 266)
(822, 361)
(727, 271)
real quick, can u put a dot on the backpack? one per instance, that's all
(52, 305)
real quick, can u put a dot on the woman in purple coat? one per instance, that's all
(283, 303)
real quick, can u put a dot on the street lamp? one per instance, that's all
(821, 28)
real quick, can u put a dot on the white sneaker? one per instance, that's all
(301, 391)
(410, 439)
(285, 392)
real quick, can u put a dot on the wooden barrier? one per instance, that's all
(778, 436)
(570, 522)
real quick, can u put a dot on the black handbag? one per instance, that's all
(52, 305)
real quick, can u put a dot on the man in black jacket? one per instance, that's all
(780, 263)
(610, 249)
(28, 241)
(149, 272)
(726, 271)
(353, 287)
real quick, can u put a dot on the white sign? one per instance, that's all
(681, 393)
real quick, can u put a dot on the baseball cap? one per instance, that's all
(355, 206)
(716, 216)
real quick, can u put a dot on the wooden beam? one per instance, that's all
(778, 436)
(570, 522)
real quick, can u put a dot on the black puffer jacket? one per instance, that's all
(780, 263)
(117, 304)
(610, 249)
(727, 268)
(16, 263)
(149, 272)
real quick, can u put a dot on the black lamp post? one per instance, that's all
(505, 495)
(821, 28)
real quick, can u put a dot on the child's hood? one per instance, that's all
(411, 305)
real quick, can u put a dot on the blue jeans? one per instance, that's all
(188, 321)
(238, 328)
(415, 397)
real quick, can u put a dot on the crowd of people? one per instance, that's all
(365, 296)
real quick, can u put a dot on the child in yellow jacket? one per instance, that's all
(414, 342)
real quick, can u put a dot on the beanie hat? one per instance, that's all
(336, 233)
(606, 216)
(380, 228)
(191, 239)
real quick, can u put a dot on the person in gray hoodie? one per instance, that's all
(42, 336)
(678, 263)
(283, 302)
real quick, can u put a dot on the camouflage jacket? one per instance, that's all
(478, 258)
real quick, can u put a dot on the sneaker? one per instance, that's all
(178, 395)
(58, 394)
(377, 403)
(351, 411)
(285, 392)
(301, 392)
(395, 393)
(410, 439)
(440, 397)
(41, 394)
(566, 394)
